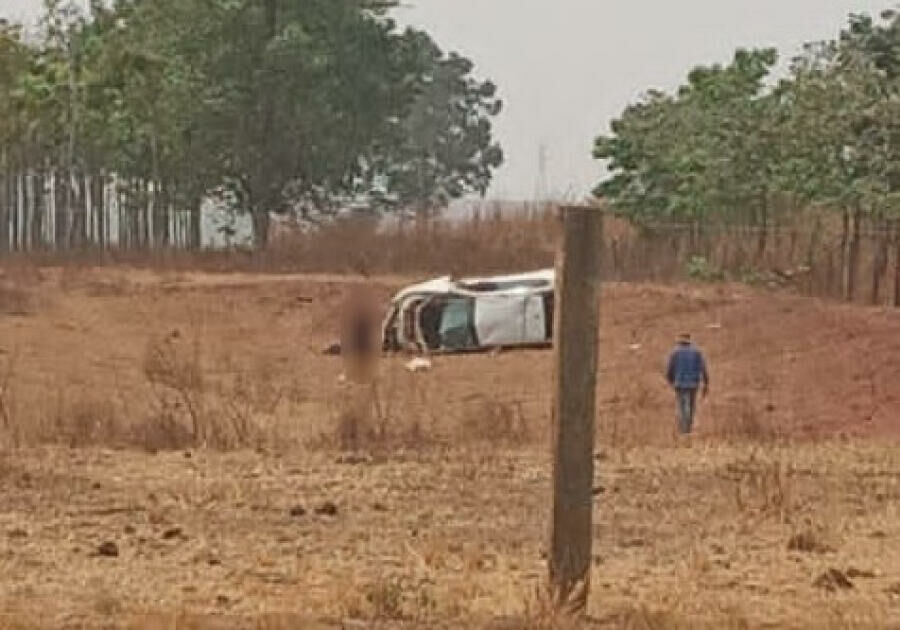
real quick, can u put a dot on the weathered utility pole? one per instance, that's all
(576, 331)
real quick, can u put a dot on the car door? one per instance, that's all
(509, 319)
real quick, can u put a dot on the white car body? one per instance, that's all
(472, 314)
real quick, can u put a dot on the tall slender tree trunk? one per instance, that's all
(156, 199)
(80, 229)
(5, 199)
(129, 216)
(763, 227)
(146, 189)
(184, 224)
(109, 210)
(100, 208)
(261, 225)
(64, 212)
(171, 213)
(775, 228)
(792, 244)
(156, 203)
(853, 266)
(90, 218)
(62, 208)
(35, 213)
(86, 215)
(19, 212)
(811, 253)
(897, 263)
(196, 219)
(261, 185)
(27, 198)
(122, 215)
(140, 209)
(162, 220)
(179, 229)
(70, 219)
(880, 263)
(845, 240)
(136, 211)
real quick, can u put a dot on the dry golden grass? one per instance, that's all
(449, 539)
(191, 420)
(797, 256)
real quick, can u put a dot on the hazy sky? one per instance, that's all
(566, 67)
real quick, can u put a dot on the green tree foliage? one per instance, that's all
(731, 138)
(444, 146)
(697, 154)
(273, 105)
(732, 144)
(16, 61)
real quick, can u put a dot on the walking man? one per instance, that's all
(686, 373)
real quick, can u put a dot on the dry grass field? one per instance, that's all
(299, 508)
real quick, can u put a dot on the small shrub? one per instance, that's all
(808, 541)
(17, 298)
(699, 268)
(754, 277)
(353, 430)
(161, 430)
(93, 282)
(494, 421)
(761, 487)
(747, 423)
(173, 368)
(386, 599)
(87, 421)
(172, 363)
(7, 402)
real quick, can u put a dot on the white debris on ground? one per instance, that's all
(419, 364)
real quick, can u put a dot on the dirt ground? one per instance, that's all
(307, 511)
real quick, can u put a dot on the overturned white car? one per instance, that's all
(445, 315)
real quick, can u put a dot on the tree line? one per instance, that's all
(742, 144)
(117, 124)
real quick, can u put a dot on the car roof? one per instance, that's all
(512, 284)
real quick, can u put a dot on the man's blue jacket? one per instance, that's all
(687, 368)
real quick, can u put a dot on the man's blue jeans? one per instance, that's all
(687, 406)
